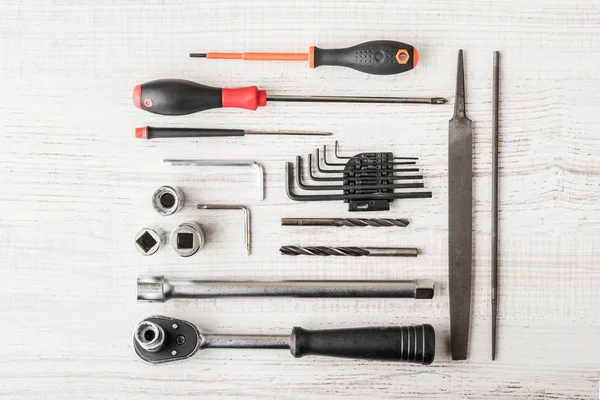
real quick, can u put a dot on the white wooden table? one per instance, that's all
(76, 187)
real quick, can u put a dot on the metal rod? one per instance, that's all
(246, 210)
(161, 289)
(227, 163)
(245, 341)
(289, 133)
(373, 222)
(353, 99)
(495, 104)
(325, 251)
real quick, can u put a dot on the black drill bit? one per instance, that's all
(375, 222)
(348, 251)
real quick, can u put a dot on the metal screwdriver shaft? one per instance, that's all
(348, 251)
(357, 99)
(374, 222)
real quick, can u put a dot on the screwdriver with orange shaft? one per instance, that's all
(180, 97)
(379, 57)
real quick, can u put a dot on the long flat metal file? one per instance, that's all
(460, 194)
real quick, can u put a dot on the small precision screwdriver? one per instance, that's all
(378, 57)
(181, 97)
(150, 132)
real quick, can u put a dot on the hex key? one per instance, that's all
(363, 175)
(347, 158)
(367, 168)
(246, 210)
(289, 182)
(363, 160)
(260, 180)
(303, 186)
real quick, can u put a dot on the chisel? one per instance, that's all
(378, 57)
(460, 199)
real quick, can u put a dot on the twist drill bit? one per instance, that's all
(348, 251)
(375, 222)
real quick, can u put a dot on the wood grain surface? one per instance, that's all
(76, 187)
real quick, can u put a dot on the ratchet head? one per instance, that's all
(155, 289)
(158, 340)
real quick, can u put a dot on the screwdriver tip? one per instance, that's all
(198, 55)
(438, 100)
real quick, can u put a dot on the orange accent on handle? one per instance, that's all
(275, 56)
(260, 56)
(141, 133)
(249, 98)
(311, 57)
(137, 96)
(402, 56)
(415, 57)
(227, 56)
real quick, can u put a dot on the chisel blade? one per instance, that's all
(460, 191)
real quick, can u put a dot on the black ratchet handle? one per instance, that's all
(412, 344)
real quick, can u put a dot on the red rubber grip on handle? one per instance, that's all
(249, 98)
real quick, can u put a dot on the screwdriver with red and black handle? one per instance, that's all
(180, 97)
(378, 57)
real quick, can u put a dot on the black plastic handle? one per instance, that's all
(176, 97)
(379, 57)
(414, 344)
(157, 133)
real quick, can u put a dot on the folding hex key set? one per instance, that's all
(367, 181)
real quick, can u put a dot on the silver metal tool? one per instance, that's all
(227, 163)
(159, 340)
(355, 99)
(246, 210)
(371, 155)
(373, 222)
(460, 199)
(495, 104)
(167, 200)
(159, 289)
(187, 239)
(348, 251)
(148, 240)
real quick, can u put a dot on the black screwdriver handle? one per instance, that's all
(413, 344)
(148, 132)
(180, 97)
(379, 57)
